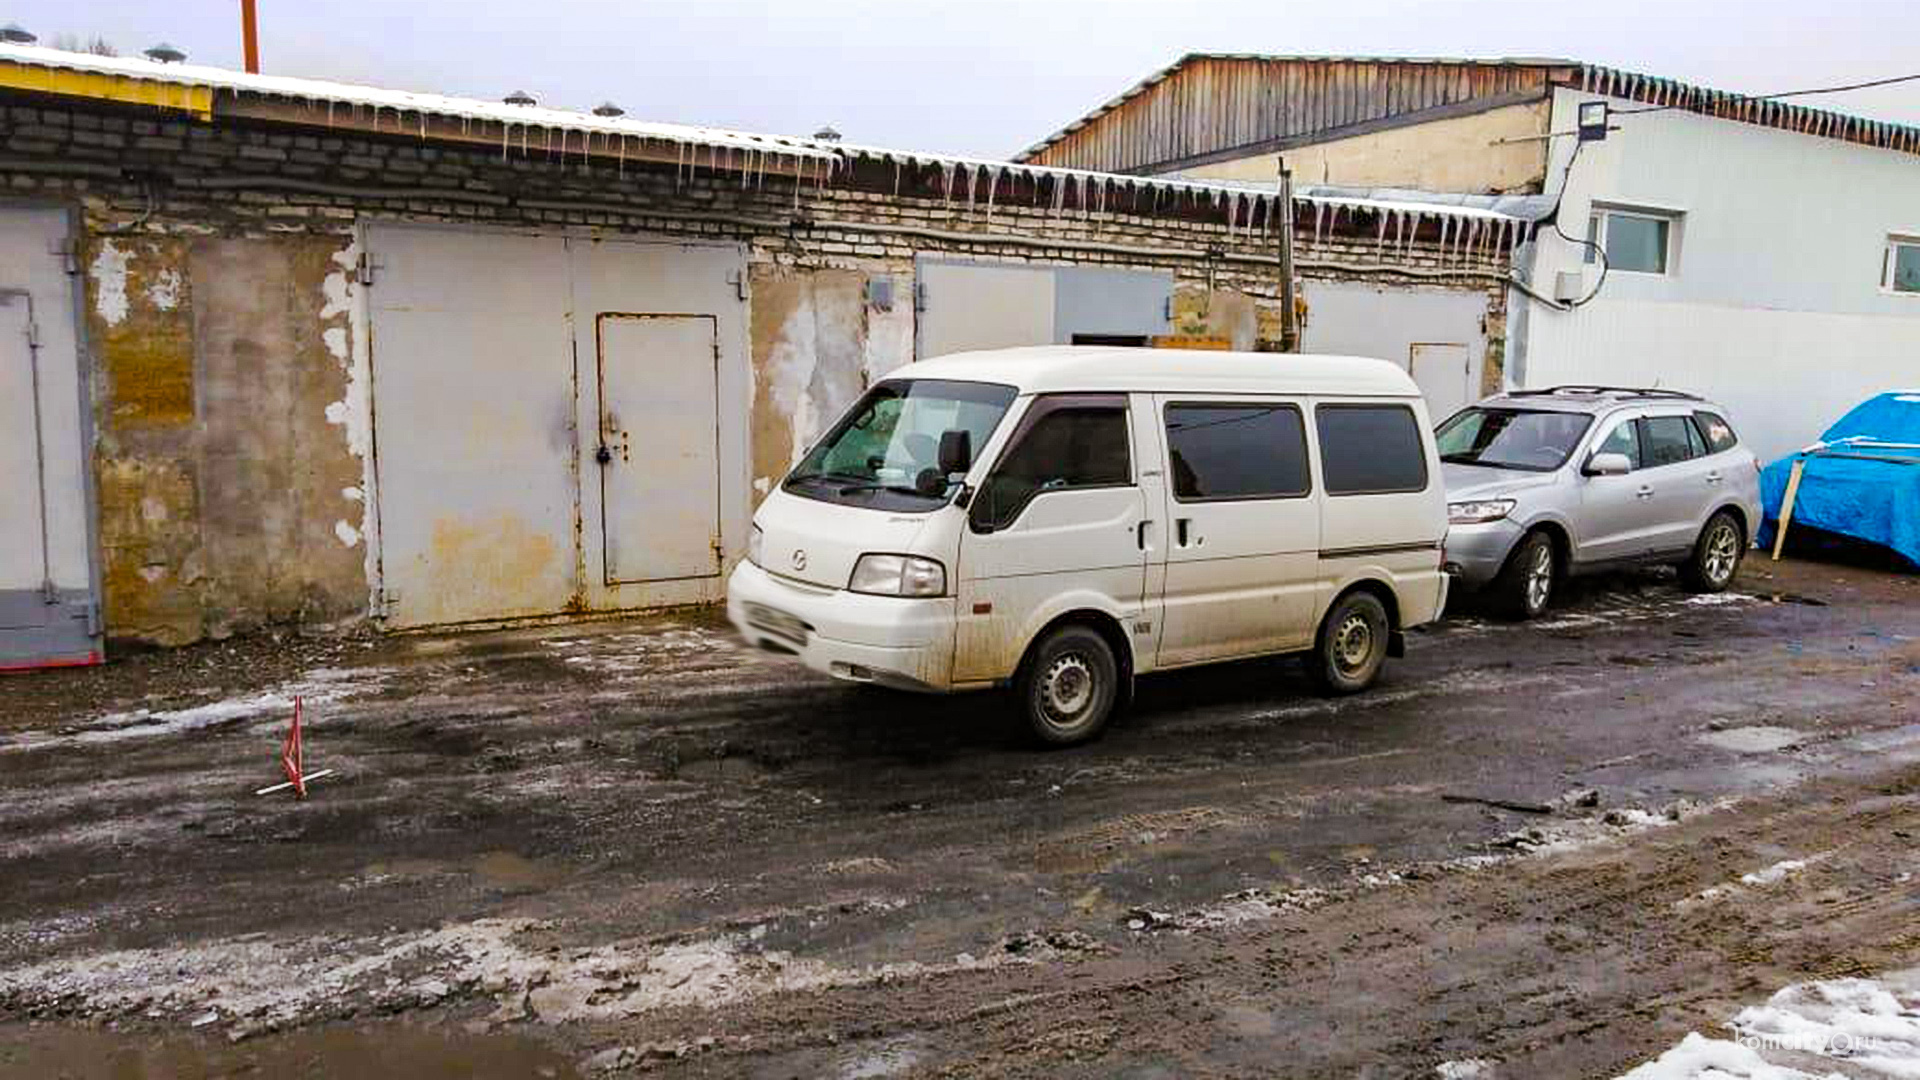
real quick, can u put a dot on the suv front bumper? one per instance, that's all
(1474, 554)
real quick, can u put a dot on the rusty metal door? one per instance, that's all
(49, 610)
(659, 452)
(473, 375)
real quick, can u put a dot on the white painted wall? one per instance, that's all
(1386, 322)
(1773, 302)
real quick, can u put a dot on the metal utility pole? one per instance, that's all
(250, 36)
(1289, 314)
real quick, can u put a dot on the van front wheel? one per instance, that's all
(1352, 644)
(1069, 686)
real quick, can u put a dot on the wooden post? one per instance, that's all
(1289, 313)
(1786, 507)
(250, 36)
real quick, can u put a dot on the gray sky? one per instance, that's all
(985, 77)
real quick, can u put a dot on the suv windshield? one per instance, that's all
(875, 453)
(1530, 439)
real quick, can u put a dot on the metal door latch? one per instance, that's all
(604, 455)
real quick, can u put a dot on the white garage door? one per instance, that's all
(551, 433)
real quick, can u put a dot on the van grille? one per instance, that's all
(779, 624)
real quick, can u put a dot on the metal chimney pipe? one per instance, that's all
(250, 36)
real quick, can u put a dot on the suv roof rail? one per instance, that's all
(1596, 390)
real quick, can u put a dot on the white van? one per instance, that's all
(1061, 519)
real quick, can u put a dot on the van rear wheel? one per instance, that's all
(1069, 686)
(1352, 645)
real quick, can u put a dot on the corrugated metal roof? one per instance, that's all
(1591, 78)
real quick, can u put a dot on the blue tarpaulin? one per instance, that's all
(1861, 480)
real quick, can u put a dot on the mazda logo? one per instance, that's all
(799, 559)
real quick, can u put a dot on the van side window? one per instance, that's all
(1073, 442)
(1246, 451)
(1719, 433)
(1370, 449)
(1665, 440)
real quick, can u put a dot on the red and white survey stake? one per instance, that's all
(292, 761)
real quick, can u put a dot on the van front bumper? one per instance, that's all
(1475, 553)
(902, 642)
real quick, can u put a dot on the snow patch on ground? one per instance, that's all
(1558, 838)
(252, 985)
(321, 686)
(1774, 873)
(1468, 1069)
(1871, 1025)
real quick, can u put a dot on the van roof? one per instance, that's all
(1095, 368)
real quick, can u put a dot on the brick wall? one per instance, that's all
(216, 255)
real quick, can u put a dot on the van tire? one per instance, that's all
(1069, 686)
(1352, 644)
(1716, 555)
(1519, 592)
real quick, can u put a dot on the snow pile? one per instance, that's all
(1872, 1025)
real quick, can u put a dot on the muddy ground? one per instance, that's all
(638, 847)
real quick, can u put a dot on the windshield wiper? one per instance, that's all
(896, 488)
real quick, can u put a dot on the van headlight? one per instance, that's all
(1478, 513)
(756, 539)
(898, 575)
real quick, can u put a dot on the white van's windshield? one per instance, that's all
(877, 452)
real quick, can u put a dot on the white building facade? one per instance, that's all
(1775, 270)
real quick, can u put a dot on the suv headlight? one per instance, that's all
(1478, 513)
(898, 575)
(756, 539)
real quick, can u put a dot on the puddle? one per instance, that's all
(1759, 739)
(392, 1049)
(507, 870)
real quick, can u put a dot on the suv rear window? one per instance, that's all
(1370, 449)
(1665, 440)
(1719, 433)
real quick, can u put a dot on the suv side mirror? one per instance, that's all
(1608, 465)
(956, 451)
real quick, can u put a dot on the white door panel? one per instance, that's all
(659, 454)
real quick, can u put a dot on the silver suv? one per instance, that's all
(1546, 483)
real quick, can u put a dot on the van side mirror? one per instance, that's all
(1608, 465)
(956, 451)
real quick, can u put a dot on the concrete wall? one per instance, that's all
(220, 477)
(1773, 301)
(1457, 154)
(229, 345)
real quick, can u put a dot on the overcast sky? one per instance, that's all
(984, 77)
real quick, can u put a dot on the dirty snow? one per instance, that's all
(1776, 872)
(253, 984)
(1872, 1025)
(1467, 1069)
(320, 686)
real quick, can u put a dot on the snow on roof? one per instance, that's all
(962, 176)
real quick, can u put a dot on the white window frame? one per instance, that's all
(1597, 217)
(1895, 241)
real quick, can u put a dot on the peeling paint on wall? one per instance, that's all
(109, 272)
(814, 352)
(164, 291)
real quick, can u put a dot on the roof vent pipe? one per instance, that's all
(165, 54)
(520, 97)
(608, 108)
(15, 34)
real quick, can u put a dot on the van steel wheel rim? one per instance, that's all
(1723, 552)
(1539, 577)
(1353, 643)
(1066, 690)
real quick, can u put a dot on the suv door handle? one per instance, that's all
(1645, 492)
(1713, 477)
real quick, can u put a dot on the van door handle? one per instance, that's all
(1140, 534)
(1180, 530)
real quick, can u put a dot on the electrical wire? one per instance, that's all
(1774, 97)
(1553, 220)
